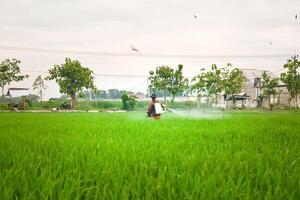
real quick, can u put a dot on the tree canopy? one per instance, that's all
(269, 85)
(169, 80)
(161, 79)
(292, 77)
(10, 72)
(178, 82)
(39, 85)
(72, 77)
(232, 82)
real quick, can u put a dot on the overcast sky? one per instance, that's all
(160, 27)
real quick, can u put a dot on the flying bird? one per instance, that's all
(134, 49)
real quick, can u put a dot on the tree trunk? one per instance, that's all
(41, 95)
(233, 102)
(269, 97)
(165, 93)
(216, 100)
(2, 93)
(73, 101)
(198, 101)
(173, 97)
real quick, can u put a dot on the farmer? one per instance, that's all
(153, 108)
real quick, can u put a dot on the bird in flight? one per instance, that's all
(134, 49)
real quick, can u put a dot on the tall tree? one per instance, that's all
(40, 86)
(199, 85)
(72, 77)
(269, 85)
(178, 83)
(161, 79)
(292, 78)
(114, 94)
(232, 82)
(214, 80)
(10, 72)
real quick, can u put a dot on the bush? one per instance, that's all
(129, 101)
(102, 105)
(4, 106)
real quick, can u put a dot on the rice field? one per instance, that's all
(239, 155)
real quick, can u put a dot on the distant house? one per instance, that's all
(141, 96)
(17, 92)
(252, 87)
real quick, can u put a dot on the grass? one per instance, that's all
(125, 156)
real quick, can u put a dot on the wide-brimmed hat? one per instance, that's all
(153, 95)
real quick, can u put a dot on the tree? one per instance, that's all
(232, 82)
(199, 85)
(214, 82)
(292, 78)
(114, 94)
(125, 99)
(161, 79)
(269, 84)
(178, 82)
(39, 85)
(102, 94)
(128, 101)
(10, 72)
(72, 77)
(99, 94)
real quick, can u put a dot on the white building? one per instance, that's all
(17, 92)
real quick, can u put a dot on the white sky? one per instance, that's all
(160, 27)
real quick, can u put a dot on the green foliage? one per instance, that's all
(210, 82)
(39, 85)
(114, 94)
(125, 99)
(199, 83)
(124, 156)
(178, 82)
(128, 101)
(4, 106)
(168, 80)
(232, 82)
(101, 94)
(214, 80)
(292, 77)
(72, 77)
(217, 80)
(161, 79)
(10, 72)
(269, 85)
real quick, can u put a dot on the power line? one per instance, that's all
(99, 53)
(96, 74)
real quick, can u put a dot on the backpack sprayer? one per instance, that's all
(161, 108)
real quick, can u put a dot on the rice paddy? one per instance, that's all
(240, 155)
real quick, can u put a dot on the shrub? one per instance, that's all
(4, 106)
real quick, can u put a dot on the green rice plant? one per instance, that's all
(239, 155)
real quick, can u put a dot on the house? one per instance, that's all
(252, 87)
(17, 92)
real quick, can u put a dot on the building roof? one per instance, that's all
(18, 88)
(241, 96)
(17, 92)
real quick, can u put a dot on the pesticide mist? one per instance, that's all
(198, 113)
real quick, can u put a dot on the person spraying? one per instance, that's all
(154, 109)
